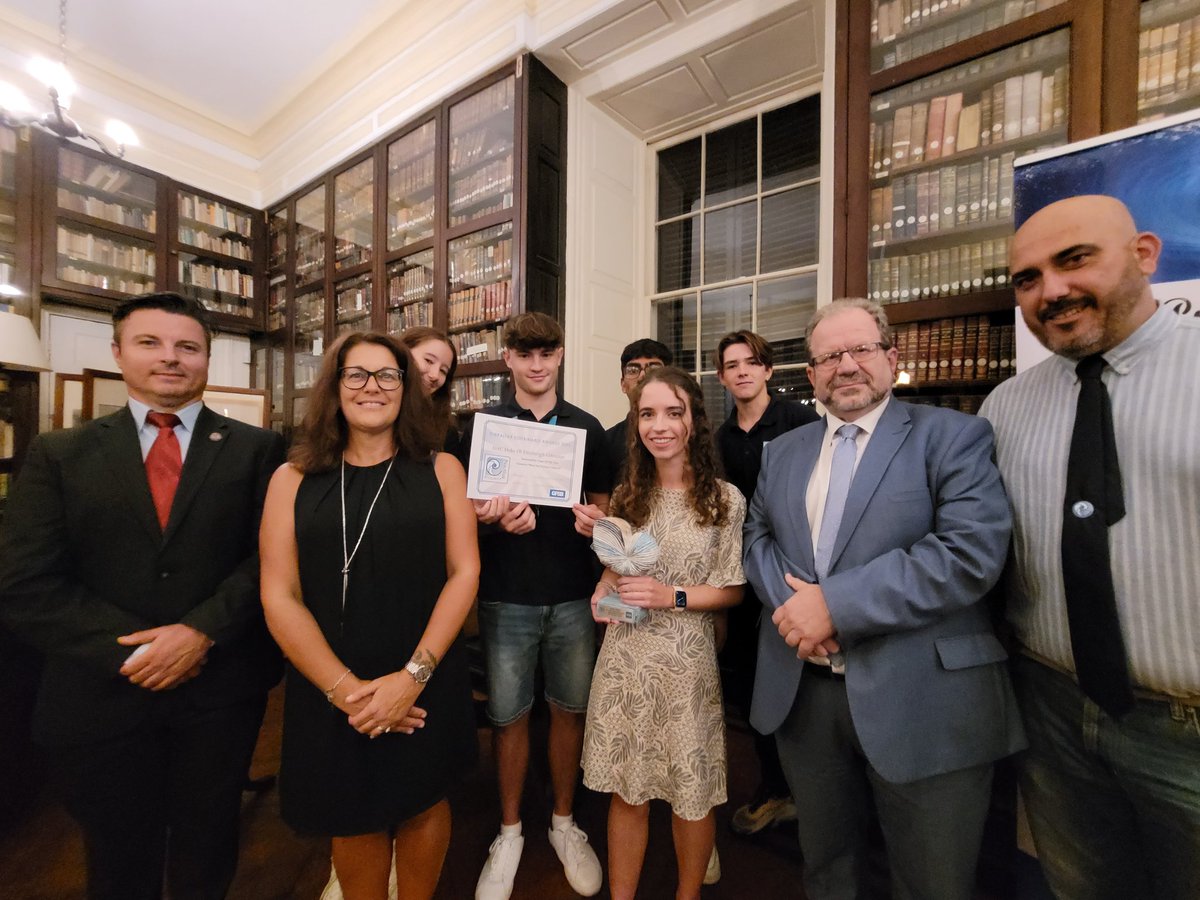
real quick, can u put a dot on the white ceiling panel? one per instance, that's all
(594, 46)
(655, 103)
(786, 51)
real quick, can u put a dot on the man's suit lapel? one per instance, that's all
(892, 429)
(808, 449)
(208, 439)
(119, 442)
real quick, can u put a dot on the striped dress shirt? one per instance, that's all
(1153, 378)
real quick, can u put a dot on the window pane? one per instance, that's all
(722, 311)
(791, 227)
(792, 384)
(679, 179)
(678, 255)
(730, 235)
(676, 321)
(717, 402)
(784, 308)
(792, 143)
(731, 162)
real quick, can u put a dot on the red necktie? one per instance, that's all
(163, 464)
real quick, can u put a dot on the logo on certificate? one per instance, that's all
(557, 494)
(495, 468)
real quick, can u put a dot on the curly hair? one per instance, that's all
(631, 498)
(324, 435)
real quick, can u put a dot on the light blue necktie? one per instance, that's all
(841, 470)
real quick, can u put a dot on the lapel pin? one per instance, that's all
(215, 436)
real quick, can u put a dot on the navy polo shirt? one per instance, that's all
(553, 563)
(741, 451)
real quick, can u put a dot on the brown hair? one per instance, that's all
(414, 337)
(532, 331)
(324, 434)
(167, 301)
(631, 498)
(759, 346)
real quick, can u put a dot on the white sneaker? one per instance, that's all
(713, 873)
(578, 859)
(333, 888)
(496, 879)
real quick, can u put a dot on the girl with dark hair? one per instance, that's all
(655, 724)
(437, 361)
(369, 567)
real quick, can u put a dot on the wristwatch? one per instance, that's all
(680, 600)
(420, 672)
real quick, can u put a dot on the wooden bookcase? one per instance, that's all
(927, 218)
(105, 230)
(456, 220)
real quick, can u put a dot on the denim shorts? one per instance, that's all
(515, 635)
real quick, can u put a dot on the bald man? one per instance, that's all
(1113, 796)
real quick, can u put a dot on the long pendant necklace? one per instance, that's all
(348, 554)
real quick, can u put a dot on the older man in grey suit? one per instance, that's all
(872, 539)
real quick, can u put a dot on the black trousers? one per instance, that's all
(161, 803)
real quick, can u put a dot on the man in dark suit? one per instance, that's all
(128, 556)
(871, 541)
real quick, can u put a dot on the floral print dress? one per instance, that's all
(655, 721)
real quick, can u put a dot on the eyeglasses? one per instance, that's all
(860, 354)
(389, 379)
(635, 370)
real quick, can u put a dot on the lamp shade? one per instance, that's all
(19, 344)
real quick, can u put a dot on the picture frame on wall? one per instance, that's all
(103, 393)
(68, 401)
(247, 405)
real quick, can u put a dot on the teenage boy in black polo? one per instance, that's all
(743, 361)
(537, 576)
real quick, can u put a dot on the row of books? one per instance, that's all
(963, 269)
(966, 403)
(477, 305)
(483, 105)
(479, 346)
(201, 209)
(126, 285)
(403, 317)
(940, 200)
(86, 247)
(355, 201)
(1009, 109)
(963, 348)
(130, 216)
(350, 249)
(82, 172)
(1168, 62)
(494, 178)
(216, 278)
(480, 262)
(310, 254)
(918, 27)
(206, 240)
(475, 392)
(414, 175)
(224, 303)
(354, 299)
(413, 283)
(503, 201)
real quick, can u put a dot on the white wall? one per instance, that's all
(606, 236)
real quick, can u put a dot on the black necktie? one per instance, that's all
(1093, 502)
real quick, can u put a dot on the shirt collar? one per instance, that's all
(867, 423)
(560, 408)
(767, 417)
(187, 415)
(1143, 343)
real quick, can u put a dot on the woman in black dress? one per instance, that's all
(369, 567)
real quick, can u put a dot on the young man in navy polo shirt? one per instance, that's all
(537, 577)
(743, 360)
(637, 359)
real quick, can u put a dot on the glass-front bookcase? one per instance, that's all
(215, 250)
(1168, 58)
(481, 153)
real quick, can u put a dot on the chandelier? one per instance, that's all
(16, 110)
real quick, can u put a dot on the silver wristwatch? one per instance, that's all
(420, 672)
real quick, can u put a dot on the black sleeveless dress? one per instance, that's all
(333, 780)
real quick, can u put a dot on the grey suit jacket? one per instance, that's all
(923, 539)
(83, 560)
